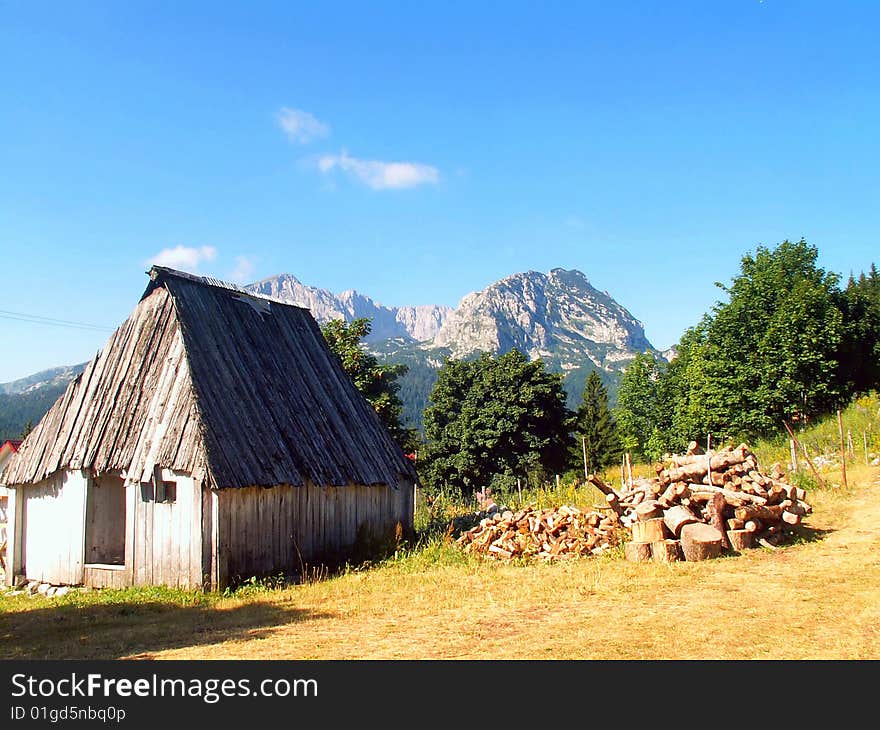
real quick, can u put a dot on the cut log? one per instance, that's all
(741, 496)
(772, 513)
(735, 524)
(698, 468)
(694, 448)
(775, 494)
(649, 510)
(637, 552)
(599, 484)
(614, 502)
(669, 494)
(677, 517)
(700, 541)
(715, 512)
(649, 530)
(741, 540)
(753, 525)
(791, 518)
(666, 551)
(702, 496)
(719, 479)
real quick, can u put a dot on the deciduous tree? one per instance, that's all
(495, 416)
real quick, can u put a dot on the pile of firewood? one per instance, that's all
(547, 534)
(702, 504)
(698, 506)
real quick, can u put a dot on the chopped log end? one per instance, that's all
(694, 449)
(676, 517)
(649, 531)
(637, 552)
(741, 540)
(649, 509)
(700, 541)
(666, 551)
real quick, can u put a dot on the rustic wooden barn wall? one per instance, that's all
(165, 545)
(260, 530)
(105, 520)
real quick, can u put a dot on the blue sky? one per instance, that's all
(419, 151)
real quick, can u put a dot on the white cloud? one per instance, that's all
(301, 126)
(381, 175)
(244, 268)
(183, 257)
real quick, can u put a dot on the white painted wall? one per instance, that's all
(52, 522)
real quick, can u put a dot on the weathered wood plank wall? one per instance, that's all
(167, 539)
(269, 530)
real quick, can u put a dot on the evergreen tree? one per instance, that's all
(860, 349)
(595, 426)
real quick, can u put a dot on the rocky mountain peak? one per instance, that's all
(557, 315)
(412, 323)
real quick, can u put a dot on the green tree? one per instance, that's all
(595, 425)
(636, 409)
(768, 353)
(377, 382)
(860, 349)
(495, 417)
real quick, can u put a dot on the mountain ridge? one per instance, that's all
(557, 316)
(415, 323)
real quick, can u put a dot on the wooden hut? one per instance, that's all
(214, 437)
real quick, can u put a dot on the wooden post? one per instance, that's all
(849, 444)
(586, 468)
(865, 436)
(519, 489)
(629, 468)
(842, 447)
(622, 471)
(794, 462)
(557, 481)
(806, 455)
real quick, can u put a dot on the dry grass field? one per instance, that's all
(818, 598)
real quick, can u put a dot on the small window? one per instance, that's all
(166, 491)
(147, 492)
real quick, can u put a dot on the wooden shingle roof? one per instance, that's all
(208, 378)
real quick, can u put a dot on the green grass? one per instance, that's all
(861, 420)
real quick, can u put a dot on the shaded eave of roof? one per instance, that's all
(11, 444)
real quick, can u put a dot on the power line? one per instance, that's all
(38, 319)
